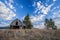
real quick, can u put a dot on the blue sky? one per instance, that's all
(38, 10)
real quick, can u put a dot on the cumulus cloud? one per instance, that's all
(9, 4)
(42, 8)
(57, 23)
(5, 12)
(56, 18)
(36, 18)
(41, 11)
(56, 14)
(40, 26)
(45, 10)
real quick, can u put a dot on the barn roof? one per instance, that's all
(16, 20)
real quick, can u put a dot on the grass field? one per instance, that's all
(29, 34)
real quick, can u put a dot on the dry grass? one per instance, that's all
(29, 34)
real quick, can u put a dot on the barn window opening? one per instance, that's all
(16, 23)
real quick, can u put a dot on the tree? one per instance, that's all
(46, 23)
(27, 22)
(50, 24)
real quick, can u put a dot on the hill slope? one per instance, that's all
(29, 34)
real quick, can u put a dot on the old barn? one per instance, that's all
(17, 24)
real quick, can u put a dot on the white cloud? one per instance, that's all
(5, 12)
(9, 3)
(54, 9)
(41, 11)
(56, 14)
(56, 17)
(40, 26)
(42, 8)
(36, 18)
(54, 0)
(45, 10)
(57, 23)
(3, 24)
(38, 5)
(11, 6)
(46, 4)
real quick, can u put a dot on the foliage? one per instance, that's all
(46, 23)
(27, 22)
(50, 24)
